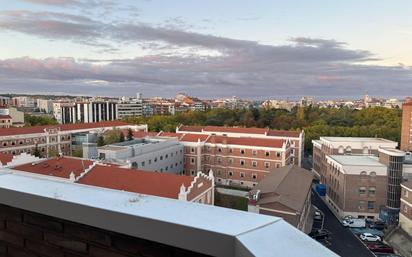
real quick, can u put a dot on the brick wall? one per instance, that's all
(27, 234)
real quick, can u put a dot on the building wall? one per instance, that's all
(406, 139)
(27, 234)
(405, 216)
(233, 165)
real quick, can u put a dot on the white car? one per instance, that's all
(370, 237)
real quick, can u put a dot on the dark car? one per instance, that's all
(380, 248)
(377, 225)
(320, 234)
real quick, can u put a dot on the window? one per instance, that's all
(341, 150)
(166, 156)
(267, 165)
(267, 153)
(371, 205)
(242, 151)
(143, 163)
(161, 157)
(348, 150)
(230, 150)
(219, 150)
(363, 175)
(219, 160)
(230, 160)
(406, 194)
(192, 172)
(365, 150)
(230, 173)
(362, 190)
(278, 154)
(242, 162)
(192, 160)
(372, 174)
(155, 159)
(192, 149)
(254, 152)
(167, 168)
(219, 172)
(292, 151)
(277, 165)
(372, 191)
(150, 161)
(254, 176)
(254, 163)
(242, 174)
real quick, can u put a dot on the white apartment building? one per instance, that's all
(130, 108)
(154, 154)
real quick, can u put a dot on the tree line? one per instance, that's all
(316, 122)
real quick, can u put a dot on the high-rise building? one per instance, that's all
(406, 134)
(89, 112)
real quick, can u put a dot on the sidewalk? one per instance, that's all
(400, 241)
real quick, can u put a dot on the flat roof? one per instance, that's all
(357, 139)
(357, 160)
(197, 227)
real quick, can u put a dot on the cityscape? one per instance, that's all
(219, 128)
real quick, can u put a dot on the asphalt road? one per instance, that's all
(343, 242)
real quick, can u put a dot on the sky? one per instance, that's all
(216, 48)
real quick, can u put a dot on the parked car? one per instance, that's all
(348, 217)
(354, 223)
(380, 225)
(380, 248)
(317, 216)
(320, 234)
(370, 237)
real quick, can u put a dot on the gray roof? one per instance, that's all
(288, 186)
(357, 160)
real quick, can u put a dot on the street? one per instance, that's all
(343, 242)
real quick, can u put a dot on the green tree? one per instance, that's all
(129, 134)
(36, 151)
(100, 140)
(121, 137)
(78, 152)
(53, 153)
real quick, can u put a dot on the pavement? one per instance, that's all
(343, 242)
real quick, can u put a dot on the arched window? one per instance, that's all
(365, 150)
(341, 149)
(372, 174)
(363, 174)
(348, 150)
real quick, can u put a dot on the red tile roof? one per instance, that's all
(170, 134)
(65, 127)
(142, 134)
(246, 141)
(236, 130)
(283, 133)
(3, 117)
(5, 158)
(193, 137)
(191, 128)
(144, 182)
(409, 103)
(57, 167)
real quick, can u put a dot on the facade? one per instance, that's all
(89, 112)
(405, 215)
(365, 186)
(344, 146)
(23, 101)
(406, 132)
(132, 108)
(5, 101)
(45, 105)
(56, 139)
(150, 154)
(296, 138)
(235, 161)
(285, 193)
(17, 117)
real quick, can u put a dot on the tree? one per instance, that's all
(37, 152)
(100, 140)
(53, 153)
(129, 134)
(78, 152)
(121, 137)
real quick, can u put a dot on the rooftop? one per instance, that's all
(197, 227)
(5, 117)
(60, 167)
(357, 160)
(246, 141)
(288, 186)
(143, 182)
(64, 127)
(357, 139)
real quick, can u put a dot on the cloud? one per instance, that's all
(183, 61)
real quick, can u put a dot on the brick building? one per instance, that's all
(296, 138)
(285, 193)
(405, 215)
(60, 138)
(406, 132)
